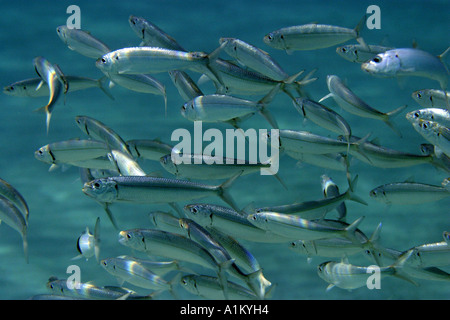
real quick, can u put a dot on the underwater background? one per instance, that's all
(59, 211)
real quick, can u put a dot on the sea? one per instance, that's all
(60, 211)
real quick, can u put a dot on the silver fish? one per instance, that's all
(149, 149)
(294, 227)
(71, 151)
(429, 255)
(253, 57)
(431, 98)
(433, 132)
(226, 108)
(409, 62)
(186, 87)
(82, 42)
(231, 222)
(99, 131)
(137, 274)
(125, 164)
(88, 244)
(138, 189)
(407, 193)
(52, 75)
(140, 83)
(438, 115)
(90, 291)
(315, 209)
(151, 35)
(12, 194)
(34, 88)
(14, 218)
(347, 276)
(330, 189)
(209, 287)
(359, 53)
(350, 102)
(323, 116)
(312, 36)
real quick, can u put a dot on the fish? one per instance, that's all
(229, 221)
(253, 57)
(323, 116)
(88, 244)
(428, 255)
(151, 35)
(226, 108)
(209, 287)
(405, 62)
(55, 79)
(237, 80)
(332, 161)
(315, 209)
(143, 60)
(347, 276)
(211, 167)
(408, 193)
(82, 42)
(379, 156)
(169, 245)
(433, 132)
(308, 142)
(12, 194)
(70, 151)
(99, 131)
(441, 116)
(359, 53)
(293, 227)
(186, 87)
(33, 88)
(431, 98)
(143, 83)
(166, 221)
(126, 165)
(330, 189)
(13, 217)
(336, 247)
(197, 233)
(137, 274)
(148, 149)
(312, 36)
(350, 102)
(139, 189)
(90, 291)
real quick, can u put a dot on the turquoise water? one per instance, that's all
(59, 211)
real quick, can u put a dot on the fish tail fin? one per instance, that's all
(258, 283)
(391, 115)
(351, 195)
(307, 79)
(101, 84)
(358, 29)
(262, 104)
(350, 231)
(213, 56)
(223, 279)
(172, 283)
(360, 143)
(224, 195)
(398, 267)
(48, 115)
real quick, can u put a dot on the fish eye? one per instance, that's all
(194, 210)
(183, 107)
(419, 95)
(377, 59)
(416, 115)
(10, 88)
(103, 60)
(96, 185)
(128, 236)
(356, 51)
(269, 37)
(104, 263)
(183, 281)
(344, 50)
(117, 57)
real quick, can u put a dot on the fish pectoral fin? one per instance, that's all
(39, 85)
(330, 286)
(330, 95)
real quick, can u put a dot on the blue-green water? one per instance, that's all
(59, 211)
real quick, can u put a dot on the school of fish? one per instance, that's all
(198, 243)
